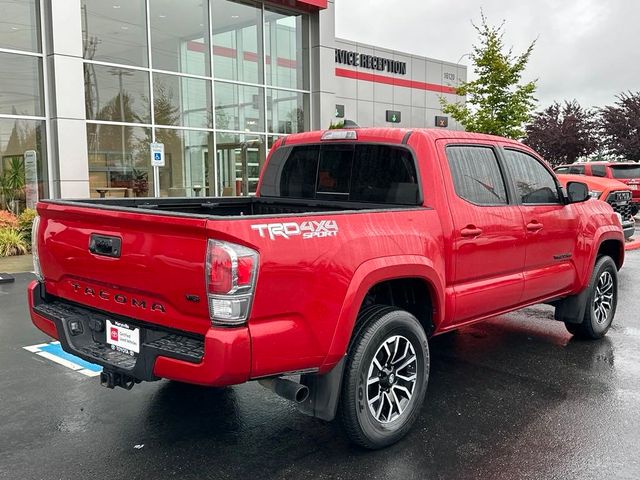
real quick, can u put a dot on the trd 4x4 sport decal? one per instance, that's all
(309, 229)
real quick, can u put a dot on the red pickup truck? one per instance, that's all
(360, 246)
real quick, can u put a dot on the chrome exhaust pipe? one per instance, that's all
(293, 391)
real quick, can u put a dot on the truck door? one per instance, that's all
(550, 225)
(488, 235)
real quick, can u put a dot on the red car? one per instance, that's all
(625, 172)
(615, 193)
(360, 246)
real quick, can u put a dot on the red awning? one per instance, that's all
(307, 5)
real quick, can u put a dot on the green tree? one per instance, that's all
(498, 102)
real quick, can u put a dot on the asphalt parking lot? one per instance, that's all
(515, 397)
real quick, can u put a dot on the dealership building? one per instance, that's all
(87, 86)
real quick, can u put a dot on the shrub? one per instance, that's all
(12, 242)
(25, 222)
(8, 220)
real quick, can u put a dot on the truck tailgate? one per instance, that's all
(153, 271)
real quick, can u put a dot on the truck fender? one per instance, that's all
(325, 386)
(572, 309)
(371, 273)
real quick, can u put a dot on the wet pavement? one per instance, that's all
(513, 398)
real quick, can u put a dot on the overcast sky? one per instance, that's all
(586, 49)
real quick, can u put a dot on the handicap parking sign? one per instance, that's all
(157, 154)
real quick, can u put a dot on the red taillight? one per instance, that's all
(220, 270)
(245, 270)
(231, 277)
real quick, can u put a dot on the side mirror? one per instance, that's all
(577, 192)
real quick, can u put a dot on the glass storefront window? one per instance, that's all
(20, 25)
(284, 49)
(182, 101)
(119, 161)
(287, 112)
(179, 36)
(237, 40)
(239, 159)
(115, 31)
(21, 85)
(259, 58)
(17, 137)
(239, 107)
(116, 94)
(186, 170)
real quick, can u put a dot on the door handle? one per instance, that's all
(470, 231)
(534, 226)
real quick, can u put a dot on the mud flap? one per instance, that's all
(324, 393)
(572, 309)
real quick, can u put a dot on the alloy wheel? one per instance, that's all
(603, 298)
(391, 379)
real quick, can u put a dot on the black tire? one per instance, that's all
(378, 325)
(596, 323)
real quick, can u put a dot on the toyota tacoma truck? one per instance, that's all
(326, 287)
(625, 172)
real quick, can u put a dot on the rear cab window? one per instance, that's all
(625, 172)
(354, 172)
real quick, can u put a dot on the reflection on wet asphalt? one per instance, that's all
(514, 397)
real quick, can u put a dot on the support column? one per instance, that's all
(322, 46)
(68, 133)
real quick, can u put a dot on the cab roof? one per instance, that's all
(398, 135)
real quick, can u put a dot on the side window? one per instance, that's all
(576, 169)
(476, 175)
(562, 170)
(534, 183)
(598, 170)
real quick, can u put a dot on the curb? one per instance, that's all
(634, 245)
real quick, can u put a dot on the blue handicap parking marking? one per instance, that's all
(53, 351)
(56, 349)
(157, 156)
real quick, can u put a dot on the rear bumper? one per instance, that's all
(222, 357)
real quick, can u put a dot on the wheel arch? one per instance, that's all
(415, 271)
(611, 247)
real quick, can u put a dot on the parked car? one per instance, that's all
(359, 247)
(625, 172)
(615, 193)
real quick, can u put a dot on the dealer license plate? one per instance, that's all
(123, 338)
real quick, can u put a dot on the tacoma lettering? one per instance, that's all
(117, 298)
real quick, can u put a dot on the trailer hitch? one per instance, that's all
(110, 379)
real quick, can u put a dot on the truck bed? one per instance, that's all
(230, 206)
